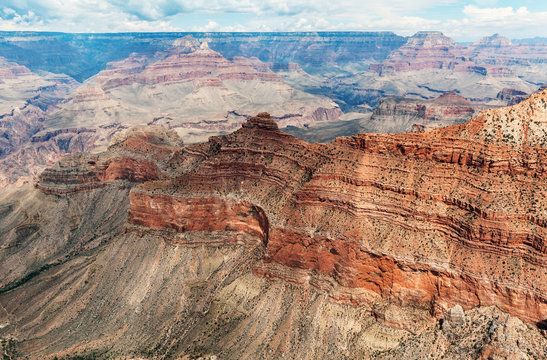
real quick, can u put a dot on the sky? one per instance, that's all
(463, 20)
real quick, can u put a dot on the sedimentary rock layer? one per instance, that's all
(400, 114)
(249, 235)
(433, 219)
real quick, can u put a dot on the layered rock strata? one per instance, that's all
(187, 87)
(136, 155)
(493, 55)
(431, 220)
(257, 234)
(400, 114)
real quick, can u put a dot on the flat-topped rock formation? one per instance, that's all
(424, 50)
(400, 114)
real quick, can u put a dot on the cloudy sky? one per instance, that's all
(464, 20)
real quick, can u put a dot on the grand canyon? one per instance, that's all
(336, 195)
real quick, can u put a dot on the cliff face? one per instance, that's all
(252, 234)
(431, 219)
(493, 55)
(399, 114)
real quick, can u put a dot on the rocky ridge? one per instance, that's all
(492, 55)
(399, 114)
(467, 190)
(483, 208)
(405, 227)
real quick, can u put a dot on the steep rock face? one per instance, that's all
(431, 220)
(398, 114)
(256, 235)
(137, 155)
(18, 126)
(208, 215)
(189, 87)
(424, 50)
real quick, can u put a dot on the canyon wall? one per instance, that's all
(256, 235)
(430, 219)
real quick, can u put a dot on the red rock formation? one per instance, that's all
(429, 220)
(125, 160)
(491, 55)
(185, 214)
(81, 172)
(400, 114)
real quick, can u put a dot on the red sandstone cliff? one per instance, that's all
(434, 219)
(428, 220)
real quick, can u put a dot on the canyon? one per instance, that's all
(258, 244)
(318, 86)
(272, 195)
(400, 114)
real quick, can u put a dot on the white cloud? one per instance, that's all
(211, 26)
(505, 16)
(506, 20)
(400, 16)
(11, 20)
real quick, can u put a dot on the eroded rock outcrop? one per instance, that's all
(257, 234)
(400, 114)
(429, 220)
(136, 155)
